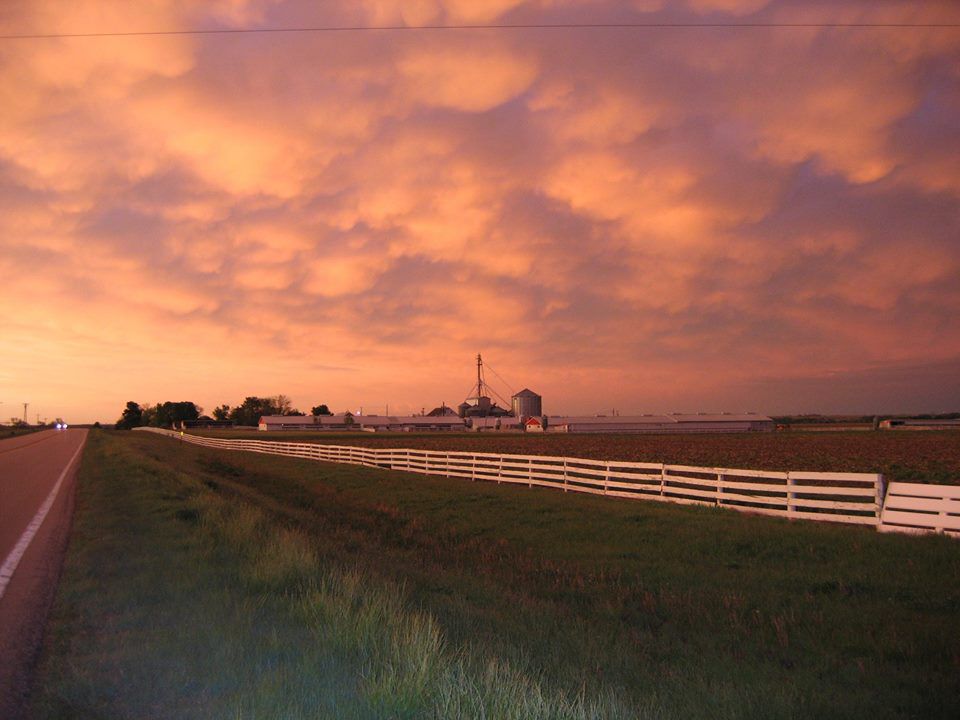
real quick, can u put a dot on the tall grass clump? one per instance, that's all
(410, 672)
(407, 669)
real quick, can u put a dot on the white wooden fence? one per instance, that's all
(916, 507)
(831, 497)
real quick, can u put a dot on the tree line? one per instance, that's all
(169, 414)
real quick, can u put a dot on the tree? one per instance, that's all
(252, 409)
(131, 417)
(222, 413)
(282, 405)
(321, 410)
(149, 416)
(169, 414)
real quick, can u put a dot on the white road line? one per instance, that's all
(13, 559)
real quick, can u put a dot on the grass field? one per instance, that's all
(203, 583)
(927, 456)
(8, 432)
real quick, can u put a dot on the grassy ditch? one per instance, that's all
(180, 602)
(204, 583)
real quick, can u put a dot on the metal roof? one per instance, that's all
(422, 420)
(612, 420)
(302, 419)
(493, 421)
(720, 417)
(361, 420)
(656, 419)
(526, 392)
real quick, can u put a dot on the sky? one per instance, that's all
(662, 219)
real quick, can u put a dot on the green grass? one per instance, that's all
(153, 618)
(216, 584)
(7, 431)
(179, 602)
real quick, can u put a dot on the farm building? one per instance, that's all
(366, 423)
(535, 424)
(698, 423)
(526, 403)
(480, 404)
(920, 424)
(306, 422)
(202, 423)
(442, 411)
(486, 424)
(409, 423)
(474, 407)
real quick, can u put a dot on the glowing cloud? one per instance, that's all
(685, 219)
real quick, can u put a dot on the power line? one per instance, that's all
(509, 386)
(507, 26)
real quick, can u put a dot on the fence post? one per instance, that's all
(880, 496)
(500, 470)
(663, 478)
(530, 472)
(606, 478)
(791, 507)
(564, 474)
(941, 518)
(719, 489)
(473, 468)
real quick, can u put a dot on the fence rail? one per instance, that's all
(826, 497)
(920, 508)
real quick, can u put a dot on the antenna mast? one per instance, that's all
(479, 376)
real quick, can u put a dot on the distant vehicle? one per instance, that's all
(61, 426)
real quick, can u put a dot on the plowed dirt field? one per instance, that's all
(922, 456)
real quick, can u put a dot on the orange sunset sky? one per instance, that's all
(650, 219)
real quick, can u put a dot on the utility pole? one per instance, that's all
(25, 413)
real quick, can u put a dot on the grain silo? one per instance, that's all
(526, 403)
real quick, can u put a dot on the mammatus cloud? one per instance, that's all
(682, 219)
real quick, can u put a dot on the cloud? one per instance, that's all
(733, 7)
(333, 276)
(667, 218)
(472, 77)
(423, 12)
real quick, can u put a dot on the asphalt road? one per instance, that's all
(31, 466)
